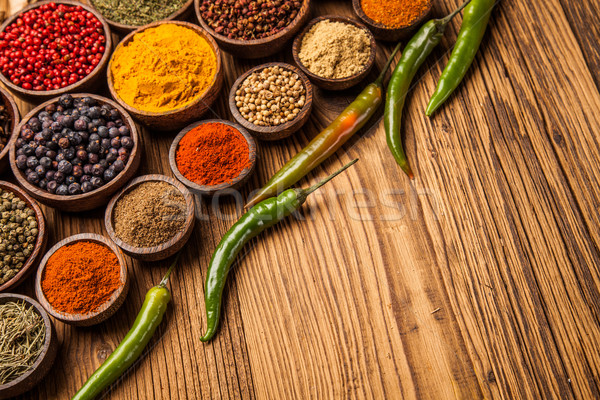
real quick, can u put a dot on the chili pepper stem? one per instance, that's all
(165, 278)
(379, 80)
(448, 18)
(306, 192)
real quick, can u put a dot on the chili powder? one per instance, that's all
(394, 13)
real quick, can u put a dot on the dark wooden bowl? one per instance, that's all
(88, 83)
(15, 117)
(40, 242)
(386, 33)
(211, 190)
(341, 83)
(95, 198)
(279, 131)
(46, 358)
(258, 48)
(180, 117)
(123, 29)
(166, 249)
(107, 309)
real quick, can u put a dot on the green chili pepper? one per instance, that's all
(413, 56)
(329, 140)
(260, 217)
(133, 344)
(475, 20)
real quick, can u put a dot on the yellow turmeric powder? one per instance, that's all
(163, 68)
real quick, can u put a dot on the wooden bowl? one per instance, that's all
(340, 83)
(95, 198)
(211, 190)
(386, 33)
(183, 13)
(45, 360)
(279, 131)
(166, 249)
(88, 83)
(180, 117)
(107, 309)
(7, 100)
(40, 242)
(258, 48)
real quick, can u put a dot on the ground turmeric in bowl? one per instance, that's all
(163, 68)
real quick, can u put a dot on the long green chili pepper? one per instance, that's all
(148, 319)
(329, 140)
(413, 56)
(475, 20)
(260, 217)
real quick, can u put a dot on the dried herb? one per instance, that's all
(22, 337)
(4, 127)
(137, 12)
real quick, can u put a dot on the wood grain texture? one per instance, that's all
(480, 279)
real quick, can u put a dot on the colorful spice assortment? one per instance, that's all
(18, 234)
(52, 46)
(212, 153)
(74, 146)
(137, 12)
(335, 50)
(163, 68)
(5, 122)
(81, 277)
(22, 338)
(271, 97)
(394, 13)
(248, 19)
(150, 214)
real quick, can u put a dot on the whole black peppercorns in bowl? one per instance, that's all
(252, 28)
(75, 151)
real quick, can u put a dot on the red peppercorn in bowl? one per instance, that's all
(51, 48)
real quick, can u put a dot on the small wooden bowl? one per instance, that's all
(45, 360)
(180, 117)
(166, 249)
(15, 116)
(341, 83)
(258, 48)
(204, 190)
(107, 309)
(88, 83)
(40, 242)
(95, 198)
(183, 13)
(386, 33)
(279, 131)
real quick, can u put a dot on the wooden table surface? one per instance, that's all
(480, 278)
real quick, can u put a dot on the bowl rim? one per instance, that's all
(194, 103)
(9, 101)
(358, 10)
(40, 241)
(189, 218)
(83, 196)
(205, 189)
(81, 237)
(49, 333)
(276, 128)
(304, 8)
(69, 88)
(335, 18)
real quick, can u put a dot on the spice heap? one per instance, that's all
(5, 122)
(212, 153)
(81, 277)
(335, 50)
(22, 338)
(394, 13)
(137, 12)
(271, 97)
(248, 19)
(52, 46)
(163, 68)
(18, 234)
(74, 146)
(150, 214)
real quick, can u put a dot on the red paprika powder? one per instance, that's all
(212, 153)
(394, 13)
(80, 277)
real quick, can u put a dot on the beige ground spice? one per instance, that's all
(335, 50)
